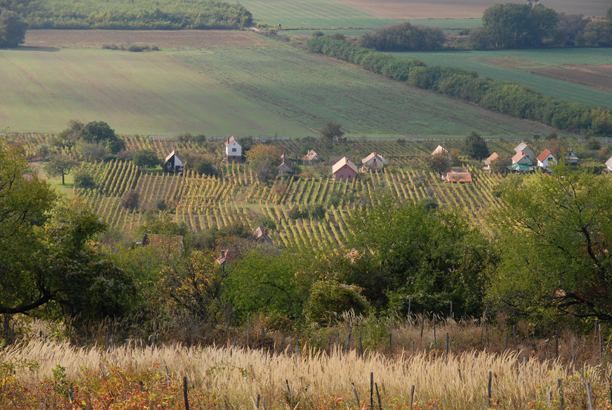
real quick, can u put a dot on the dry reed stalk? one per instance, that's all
(459, 382)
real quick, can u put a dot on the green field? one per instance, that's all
(253, 87)
(136, 93)
(469, 60)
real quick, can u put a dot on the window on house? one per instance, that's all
(233, 149)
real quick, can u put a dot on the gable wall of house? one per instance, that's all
(233, 150)
(345, 174)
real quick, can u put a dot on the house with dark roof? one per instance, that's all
(233, 150)
(494, 156)
(458, 176)
(174, 162)
(345, 170)
(286, 166)
(373, 162)
(571, 158)
(261, 235)
(545, 159)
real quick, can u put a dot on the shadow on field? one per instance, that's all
(30, 48)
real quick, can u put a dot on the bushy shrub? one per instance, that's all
(329, 299)
(84, 180)
(130, 200)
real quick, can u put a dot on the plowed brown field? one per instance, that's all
(593, 75)
(160, 38)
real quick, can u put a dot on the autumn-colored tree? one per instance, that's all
(262, 152)
(439, 163)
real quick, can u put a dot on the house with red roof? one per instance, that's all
(310, 157)
(521, 162)
(458, 176)
(489, 161)
(344, 170)
(545, 159)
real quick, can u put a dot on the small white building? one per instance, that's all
(609, 164)
(524, 148)
(545, 159)
(373, 162)
(233, 150)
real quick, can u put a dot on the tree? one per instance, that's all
(25, 203)
(519, 25)
(428, 255)
(97, 132)
(84, 180)
(60, 165)
(264, 153)
(145, 158)
(265, 171)
(501, 164)
(475, 146)
(12, 29)
(331, 131)
(438, 163)
(555, 234)
(609, 15)
(44, 250)
(329, 299)
(402, 37)
(195, 285)
(130, 199)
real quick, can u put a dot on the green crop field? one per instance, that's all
(135, 92)
(311, 90)
(252, 86)
(470, 60)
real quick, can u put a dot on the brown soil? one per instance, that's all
(160, 38)
(440, 9)
(599, 76)
(593, 75)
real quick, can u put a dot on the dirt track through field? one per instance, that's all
(161, 38)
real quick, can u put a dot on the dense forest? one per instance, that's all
(136, 15)
(502, 96)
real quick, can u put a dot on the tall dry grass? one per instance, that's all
(320, 379)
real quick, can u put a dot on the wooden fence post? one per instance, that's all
(289, 393)
(561, 399)
(411, 396)
(515, 341)
(356, 396)
(185, 396)
(348, 339)
(378, 396)
(489, 390)
(248, 330)
(263, 337)
(423, 323)
(371, 390)
(590, 395)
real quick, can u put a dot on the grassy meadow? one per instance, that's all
(472, 60)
